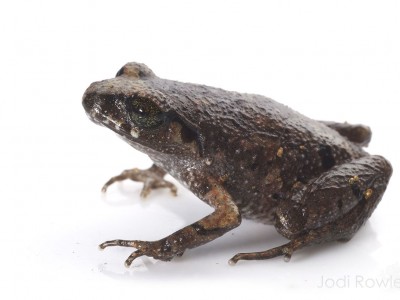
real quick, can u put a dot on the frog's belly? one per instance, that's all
(255, 205)
(265, 217)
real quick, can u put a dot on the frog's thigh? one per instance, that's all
(356, 133)
(334, 207)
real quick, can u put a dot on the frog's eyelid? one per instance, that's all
(120, 72)
(135, 71)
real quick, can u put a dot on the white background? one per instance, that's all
(330, 60)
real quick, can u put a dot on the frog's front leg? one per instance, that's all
(152, 178)
(333, 207)
(225, 217)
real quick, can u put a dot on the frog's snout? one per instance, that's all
(105, 108)
(91, 106)
(87, 102)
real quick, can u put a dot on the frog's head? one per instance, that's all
(132, 106)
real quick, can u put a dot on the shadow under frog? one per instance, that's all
(244, 155)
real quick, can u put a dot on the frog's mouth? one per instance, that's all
(93, 105)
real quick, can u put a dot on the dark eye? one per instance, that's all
(144, 113)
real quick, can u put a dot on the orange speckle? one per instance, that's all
(279, 153)
(368, 193)
(354, 179)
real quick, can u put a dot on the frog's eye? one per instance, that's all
(145, 113)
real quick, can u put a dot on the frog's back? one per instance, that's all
(233, 116)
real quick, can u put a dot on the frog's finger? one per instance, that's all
(152, 184)
(132, 257)
(112, 180)
(122, 243)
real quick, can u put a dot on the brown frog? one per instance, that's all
(243, 154)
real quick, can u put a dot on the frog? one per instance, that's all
(245, 155)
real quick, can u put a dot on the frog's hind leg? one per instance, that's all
(152, 178)
(332, 208)
(356, 133)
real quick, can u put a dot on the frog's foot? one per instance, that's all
(152, 178)
(285, 250)
(157, 249)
